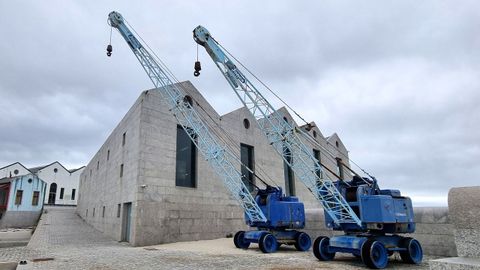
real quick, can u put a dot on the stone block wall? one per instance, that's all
(19, 219)
(434, 229)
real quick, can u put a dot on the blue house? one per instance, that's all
(21, 200)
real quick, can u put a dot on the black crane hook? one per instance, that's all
(197, 68)
(109, 50)
(109, 47)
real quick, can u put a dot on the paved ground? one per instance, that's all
(72, 244)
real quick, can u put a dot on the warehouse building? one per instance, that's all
(148, 185)
(62, 183)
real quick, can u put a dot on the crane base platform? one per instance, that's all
(270, 240)
(374, 250)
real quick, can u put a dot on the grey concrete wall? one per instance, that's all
(19, 219)
(464, 204)
(434, 229)
(100, 182)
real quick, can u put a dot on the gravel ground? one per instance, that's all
(64, 241)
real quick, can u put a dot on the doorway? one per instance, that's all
(52, 193)
(126, 221)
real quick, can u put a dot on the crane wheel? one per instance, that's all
(268, 243)
(374, 254)
(414, 252)
(320, 249)
(240, 241)
(302, 241)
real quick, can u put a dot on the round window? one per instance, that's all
(15, 172)
(55, 170)
(188, 99)
(30, 180)
(246, 123)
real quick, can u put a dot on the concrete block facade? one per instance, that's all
(144, 142)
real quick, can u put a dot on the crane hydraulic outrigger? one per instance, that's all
(276, 217)
(371, 217)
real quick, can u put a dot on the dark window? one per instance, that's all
(118, 210)
(73, 194)
(18, 197)
(314, 134)
(121, 170)
(246, 123)
(30, 180)
(55, 170)
(247, 158)
(86, 213)
(62, 190)
(340, 168)
(124, 137)
(15, 172)
(288, 172)
(186, 161)
(93, 212)
(336, 143)
(98, 165)
(108, 155)
(36, 195)
(103, 211)
(316, 154)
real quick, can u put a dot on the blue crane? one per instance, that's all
(370, 217)
(275, 216)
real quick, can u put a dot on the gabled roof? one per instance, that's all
(39, 168)
(14, 164)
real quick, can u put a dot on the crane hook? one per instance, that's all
(109, 50)
(197, 68)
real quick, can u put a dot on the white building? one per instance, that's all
(62, 183)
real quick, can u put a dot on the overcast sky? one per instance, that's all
(399, 81)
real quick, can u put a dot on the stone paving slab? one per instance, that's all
(73, 244)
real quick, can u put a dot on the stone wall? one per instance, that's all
(434, 230)
(19, 219)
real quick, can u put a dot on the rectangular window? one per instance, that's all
(18, 197)
(62, 190)
(118, 210)
(73, 194)
(186, 160)
(247, 167)
(86, 213)
(318, 171)
(124, 137)
(121, 170)
(98, 165)
(93, 214)
(103, 212)
(288, 172)
(36, 195)
(340, 168)
(108, 155)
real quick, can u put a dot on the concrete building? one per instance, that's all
(147, 184)
(62, 183)
(21, 200)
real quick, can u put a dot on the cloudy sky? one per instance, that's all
(399, 81)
